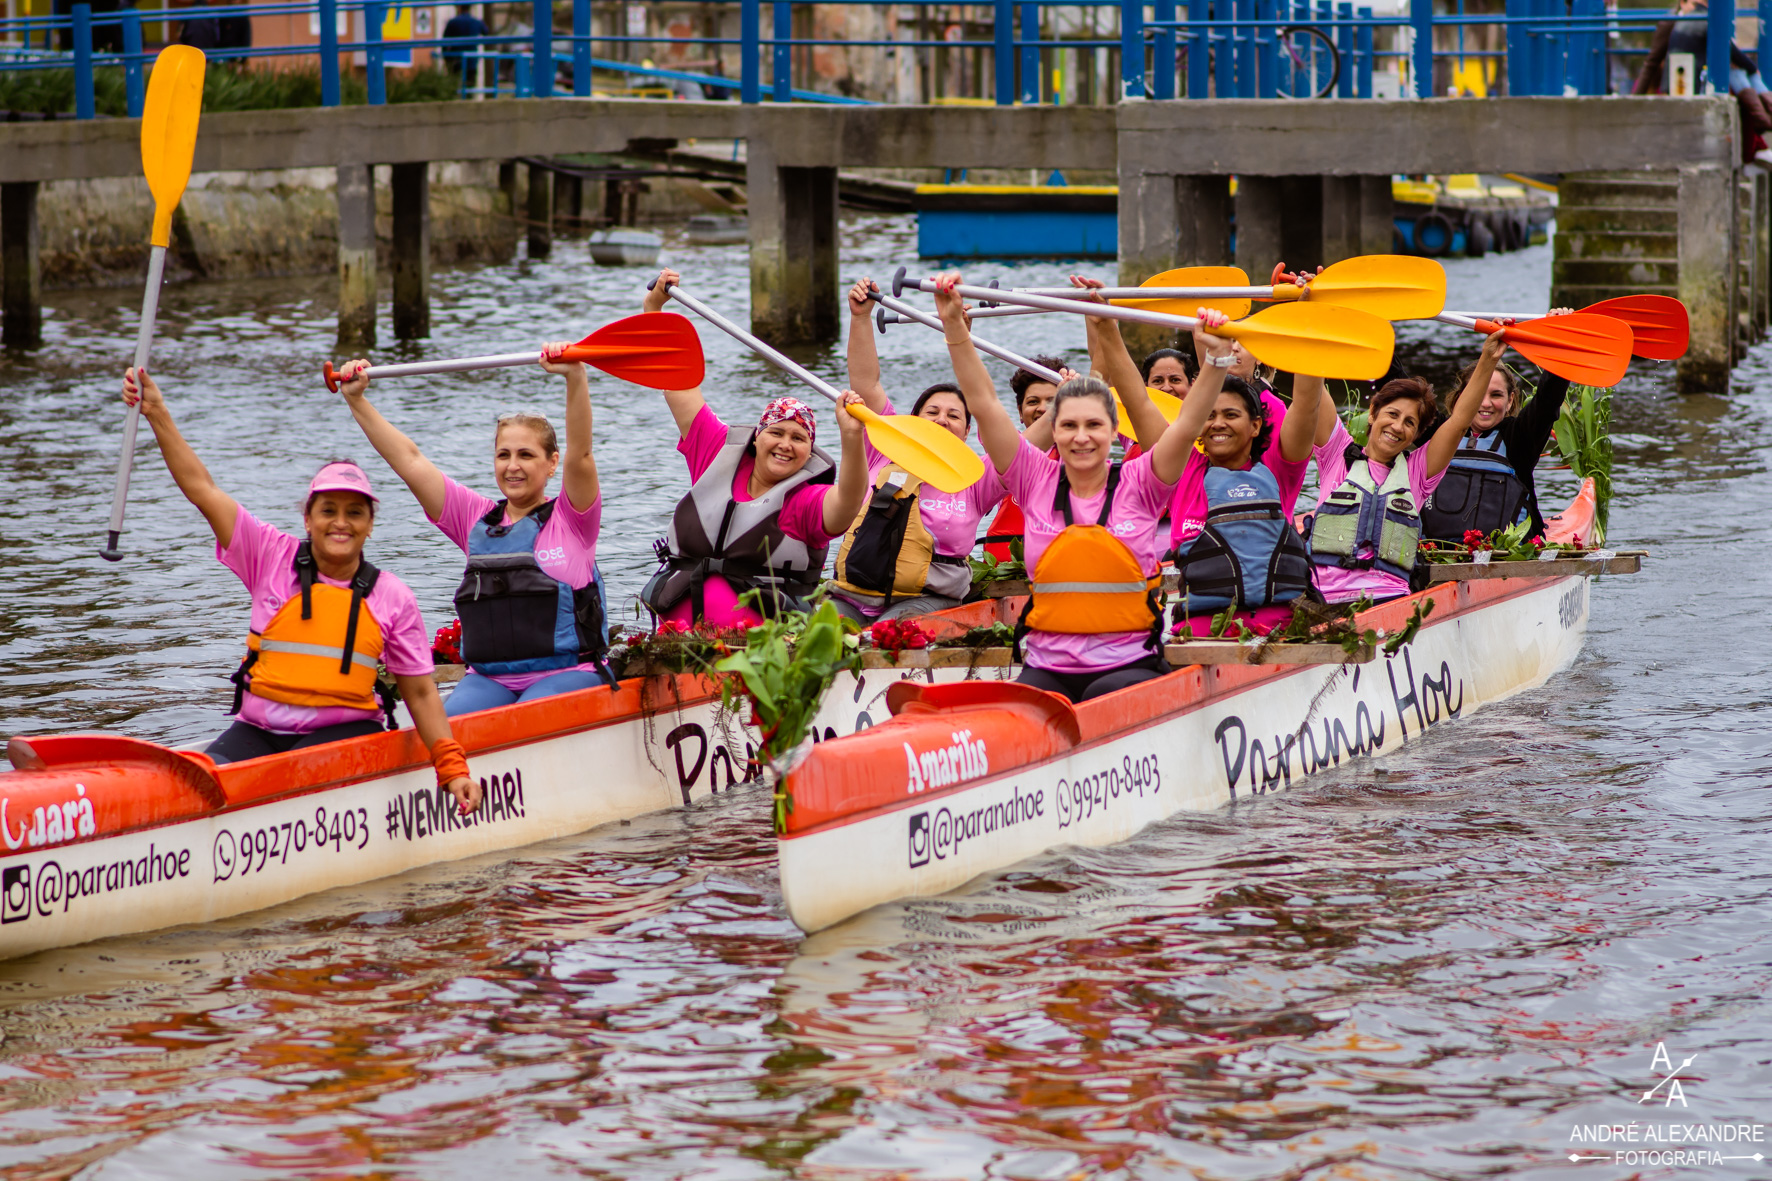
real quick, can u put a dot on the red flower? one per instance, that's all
(1475, 539)
(896, 635)
(446, 646)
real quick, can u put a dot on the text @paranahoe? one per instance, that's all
(1671, 1132)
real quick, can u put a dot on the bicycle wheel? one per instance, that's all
(1308, 63)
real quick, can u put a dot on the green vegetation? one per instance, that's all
(1584, 438)
(225, 88)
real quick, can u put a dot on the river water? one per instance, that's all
(1451, 962)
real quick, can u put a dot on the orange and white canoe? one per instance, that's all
(103, 835)
(970, 778)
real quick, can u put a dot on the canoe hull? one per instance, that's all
(1243, 734)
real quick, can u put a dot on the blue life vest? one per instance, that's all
(1248, 553)
(515, 617)
(1480, 490)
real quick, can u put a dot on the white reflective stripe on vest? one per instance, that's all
(314, 650)
(1088, 588)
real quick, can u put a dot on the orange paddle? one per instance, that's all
(1587, 349)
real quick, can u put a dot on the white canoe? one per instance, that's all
(966, 780)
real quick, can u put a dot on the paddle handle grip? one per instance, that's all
(774, 356)
(144, 337)
(983, 346)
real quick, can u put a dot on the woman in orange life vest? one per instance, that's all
(322, 616)
(1093, 546)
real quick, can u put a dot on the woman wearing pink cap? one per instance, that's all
(322, 616)
(531, 603)
(764, 506)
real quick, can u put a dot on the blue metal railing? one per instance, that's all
(1166, 48)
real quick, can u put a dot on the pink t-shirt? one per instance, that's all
(264, 559)
(1138, 507)
(952, 519)
(1344, 586)
(802, 518)
(565, 549)
(1187, 515)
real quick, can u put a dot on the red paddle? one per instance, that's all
(660, 351)
(1660, 328)
(1587, 349)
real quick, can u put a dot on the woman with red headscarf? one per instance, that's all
(763, 507)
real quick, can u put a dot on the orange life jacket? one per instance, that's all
(321, 648)
(1007, 526)
(1089, 582)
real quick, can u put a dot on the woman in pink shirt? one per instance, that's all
(926, 570)
(531, 601)
(1368, 521)
(1090, 630)
(322, 616)
(762, 509)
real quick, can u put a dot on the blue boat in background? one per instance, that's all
(1017, 221)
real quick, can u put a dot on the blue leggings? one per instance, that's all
(475, 692)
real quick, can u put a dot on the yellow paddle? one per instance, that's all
(1167, 404)
(928, 451)
(1395, 286)
(169, 138)
(1202, 280)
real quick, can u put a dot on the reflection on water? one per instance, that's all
(1430, 965)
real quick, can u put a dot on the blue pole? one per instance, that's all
(1224, 49)
(1366, 55)
(1030, 52)
(750, 51)
(1132, 49)
(1765, 34)
(1003, 57)
(377, 73)
(1267, 43)
(1199, 50)
(135, 92)
(1246, 49)
(541, 51)
(1519, 43)
(1421, 66)
(1716, 47)
(85, 105)
(1551, 46)
(1350, 54)
(781, 31)
(520, 76)
(329, 91)
(581, 48)
(1163, 50)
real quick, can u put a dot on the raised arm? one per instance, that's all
(402, 454)
(996, 430)
(864, 360)
(1444, 445)
(844, 502)
(578, 479)
(684, 404)
(1108, 356)
(1039, 433)
(1169, 456)
(188, 472)
(1328, 414)
(1298, 434)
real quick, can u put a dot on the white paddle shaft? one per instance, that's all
(1048, 303)
(778, 359)
(458, 365)
(1152, 292)
(144, 337)
(906, 311)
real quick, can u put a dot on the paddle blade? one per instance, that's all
(1323, 340)
(660, 350)
(1588, 350)
(927, 450)
(1236, 309)
(169, 131)
(1660, 329)
(1394, 286)
(1167, 404)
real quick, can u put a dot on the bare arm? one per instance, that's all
(1299, 432)
(1169, 456)
(863, 358)
(409, 463)
(426, 707)
(1108, 357)
(188, 472)
(844, 503)
(996, 430)
(684, 404)
(1328, 414)
(1444, 445)
(579, 480)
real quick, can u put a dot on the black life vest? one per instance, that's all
(1480, 490)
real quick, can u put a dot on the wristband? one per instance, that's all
(1221, 360)
(450, 760)
(945, 340)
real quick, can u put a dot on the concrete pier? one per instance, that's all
(795, 292)
(541, 211)
(412, 251)
(356, 256)
(21, 272)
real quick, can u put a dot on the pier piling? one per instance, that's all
(21, 271)
(356, 256)
(541, 211)
(412, 251)
(795, 296)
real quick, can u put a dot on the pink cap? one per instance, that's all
(343, 476)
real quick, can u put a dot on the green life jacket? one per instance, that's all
(1363, 525)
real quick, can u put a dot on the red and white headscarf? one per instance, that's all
(784, 409)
